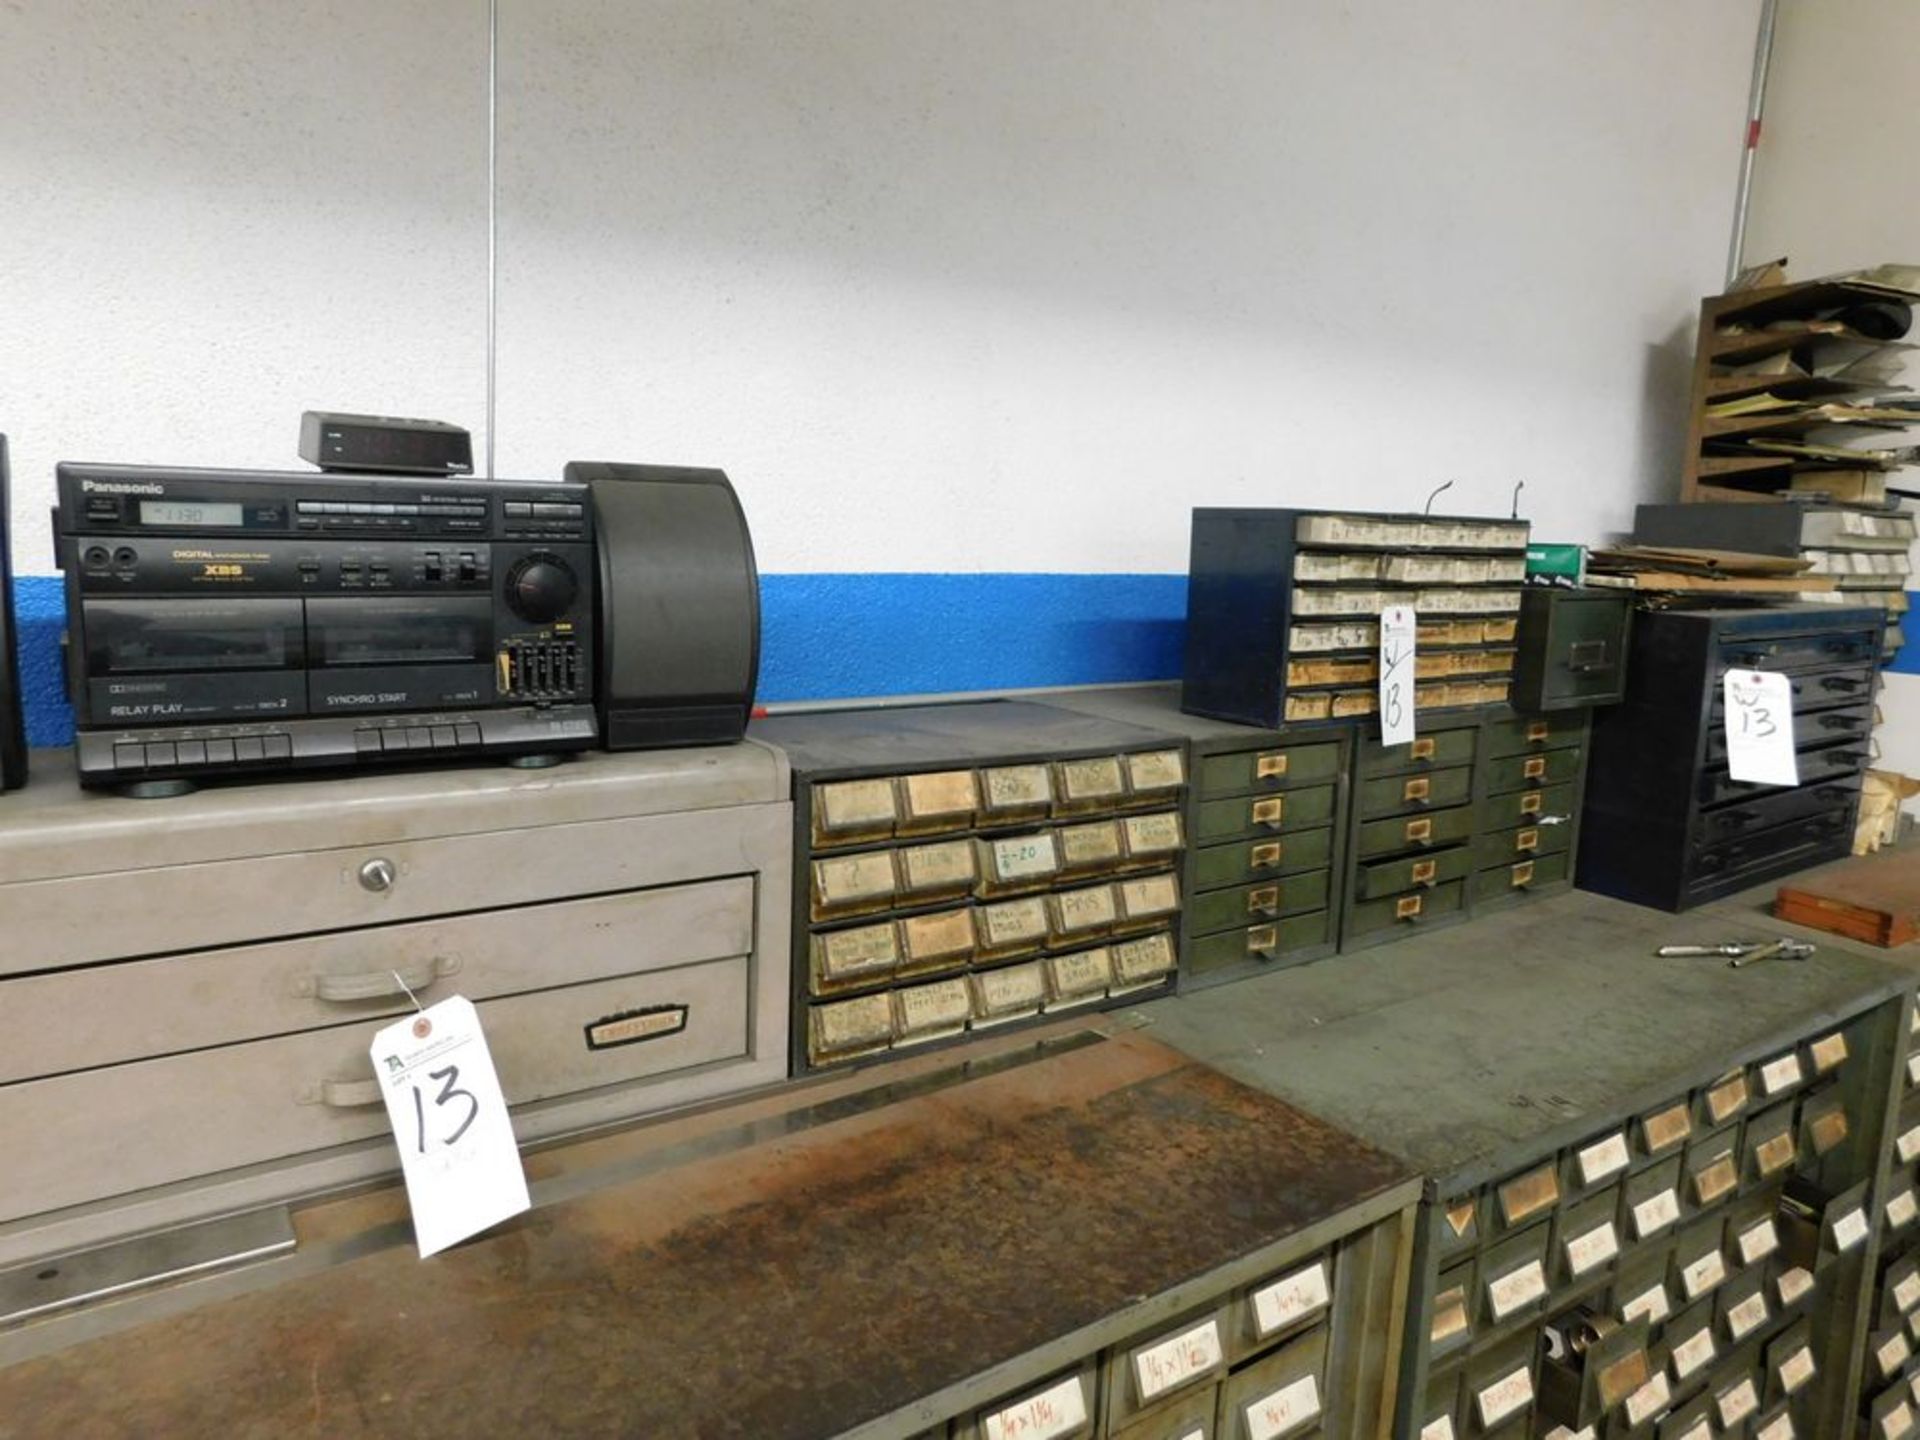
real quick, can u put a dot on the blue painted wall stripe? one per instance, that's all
(835, 635)
(1907, 661)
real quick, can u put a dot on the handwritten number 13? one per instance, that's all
(449, 1090)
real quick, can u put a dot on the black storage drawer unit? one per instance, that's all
(1666, 825)
(1283, 611)
(1266, 832)
(1572, 648)
(966, 867)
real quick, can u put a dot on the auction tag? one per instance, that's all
(450, 1122)
(1396, 675)
(1760, 728)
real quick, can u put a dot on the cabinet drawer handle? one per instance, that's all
(1839, 682)
(1270, 767)
(1528, 839)
(1407, 907)
(1837, 722)
(1417, 789)
(379, 984)
(1263, 939)
(349, 1094)
(1265, 856)
(1531, 803)
(1421, 829)
(1538, 730)
(1269, 812)
(1422, 748)
(1423, 871)
(1523, 874)
(1535, 767)
(1263, 901)
(378, 876)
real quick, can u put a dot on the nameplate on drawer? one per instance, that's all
(1086, 781)
(1906, 1291)
(857, 877)
(1155, 770)
(1155, 895)
(1177, 1359)
(1849, 1230)
(1757, 1242)
(1701, 1275)
(1084, 846)
(865, 1023)
(855, 804)
(1665, 1127)
(1285, 1411)
(1651, 1302)
(1793, 1284)
(1648, 1400)
(1084, 975)
(1588, 1250)
(1909, 1145)
(1796, 1369)
(1737, 1403)
(939, 867)
(945, 935)
(1421, 829)
(1079, 910)
(1289, 1299)
(929, 1011)
(866, 950)
(1023, 857)
(1527, 1195)
(1891, 1355)
(1780, 1074)
(1727, 1097)
(1142, 962)
(1746, 1317)
(1018, 787)
(942, 796)
(1013, 922)
(1508, 1395)
(1897, 1423)
(1519, 1287)
(1270, 766)
(1056, 1411)
(1019, 989)
(1531, 803)
(1827, 1052)
(630, 1027)
(1157, 834)
(1776, 1152)
(1656, 1212)
(1901, 1209)
(1693, 1353)
(1601, 1159)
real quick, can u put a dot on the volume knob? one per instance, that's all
(541, 588)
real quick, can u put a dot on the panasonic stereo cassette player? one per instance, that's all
(232, 622)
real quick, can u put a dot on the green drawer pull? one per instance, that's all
(1265, 856)
(1263, 939)
(1417, 789)
(1535, 767)
(1528, 839)
(1530, 804)
(1423, 871)
(1264, 901)
(1270, 767)
(1523, 874)
(1421, 749)
(1421, 829)
(1408, 907)
(1269, 811)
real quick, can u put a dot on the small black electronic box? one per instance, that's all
(384, 445)
(226, 621)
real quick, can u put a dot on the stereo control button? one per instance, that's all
(279, 747)
(467, 734)
(518, 509)
(192, 752)
(219, 752)
(366, 742)
(162, 754)
(249, 748)
(129, 757)
(541, 588)
(443, 737)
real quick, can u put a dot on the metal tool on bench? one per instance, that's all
(1743, 952)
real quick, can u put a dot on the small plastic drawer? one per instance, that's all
(1650, 1202)
(1173, 1361)
(1513, 1276)
(1711, 1169)
(1279, 1396)
(1276, 767)
(1497, 1386)
(1454, 1317)
(1699, 1259)
(1586, 1238)
(1790, 1361)
(1742, 1308)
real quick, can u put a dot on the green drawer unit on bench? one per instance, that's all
(1267, 827)
(1529, 809)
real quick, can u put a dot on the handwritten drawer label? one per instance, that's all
(1913, 1068)
(1053, 1412)
(941, 867)
(1096, 779)
(1285, 1410)
(1290, 1298)
(858, 952)
(1018, 787)
(857, 877)
(1906, 1291)
(852, 1023)
(1656, 1212)
(1749, 1313)
(1892, 1355)
(1088, 972)
(1727, 1097)
(1737, 1404)
(1796, 1369)
(1776, 1152)
(1692, 1353)
(1780, 1074)
(1084, 846)
(1508, 1395)
(1159, 1368)
(1014, 922)
(1648, 1400)
(1441, 1429)
(1597, 1245)
(1758, 1241)
(1778, 1428)
(855, 804)
(1716, 1178)
(1909, 1145)
(1827, 1052)
(1024, 857)
(944, 1005)
(1793, 1284)
(1156, 770)
(1703, 1274)
(1154, 895)
(932, 937)
(1135, 962)
(1901, 1209)
(1601, 1159)
(1665, 1127)
(1516, 1288)
(1849, 1230)
(947, 794)
(1152, 834)
(1084, 909)
(1017, 988)
(1897, 1422)
(1651, 1302)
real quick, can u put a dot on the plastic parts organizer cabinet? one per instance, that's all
(1283, 610)
(960, 868)
(1666, 825)
(1655, 1195)
(188, 987)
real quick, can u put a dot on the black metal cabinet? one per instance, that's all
(1665, 823)
(1572, 648)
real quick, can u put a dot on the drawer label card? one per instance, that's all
(1665, 1127)
(1285, 1410)
(1155, 895)
(1014, 922)
(1828, 1051)
(1175, 1361)
(1137, 962)
(855, 804)
(1737, 1404)
(1527, 1195)
(1757, 1242)
(1019, 787)
(1396, 674)
(1651, 1302)
(1909, 1145)
(1726, 1098)
(1290, 1298)
(1913, 1068)
(1897, 1422)
(1759, 709)
(1441, 1429)
(1019, 987)
(1778, 1428)
(1601, 1159)
(1087, 973)
(1780, 1074)
(1095, 844)
(1849, 1230)
(630, 1027)
(857, 877)
(1692, 1353)
(1593, 1248)
(944, 794)
(1024, 857)
(1059, 1410)
(1656, 1212)
(1157, 834)
(1649, 1399)
(1508, 1395)
(850, 1023)
(1516, 1288)
(1743, 1318)
(943, 1005)
(1901, 1209)
(1095, 779)
(1793, 1284)
(1156, 770)
(1703, 1274)
(1084, 909)
(941, 867)
(1716, 1178)
(947, 934)
(449, 1118)
(1892, 1354)
(855, 952)
(1796, 1369)
(1906, 1291)
(1776, 1152)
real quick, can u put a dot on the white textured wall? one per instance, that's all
(1832, 192)
(1004, 285)
(219, 213)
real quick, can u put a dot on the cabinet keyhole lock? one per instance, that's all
(378, 876)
